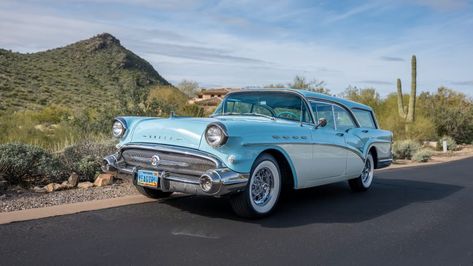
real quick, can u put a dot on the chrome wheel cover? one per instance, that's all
(368, 171)
(262, 186)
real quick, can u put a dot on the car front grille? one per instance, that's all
(173, 162)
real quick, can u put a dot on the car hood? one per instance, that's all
(186, 132)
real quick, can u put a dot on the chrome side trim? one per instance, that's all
(357, 152)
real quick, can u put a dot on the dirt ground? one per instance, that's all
(464, 151)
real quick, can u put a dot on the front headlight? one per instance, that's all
(215, 135)
(118, 129)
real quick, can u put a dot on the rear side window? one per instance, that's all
(343, 119)
(365, 118)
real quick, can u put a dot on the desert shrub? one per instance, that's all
(192, 110)
(451, 143)
(422, 155)
(405, 149)
(85, 158)
(27, 165)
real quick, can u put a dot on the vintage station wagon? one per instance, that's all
(256, 143)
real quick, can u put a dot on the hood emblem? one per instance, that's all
(155, 160)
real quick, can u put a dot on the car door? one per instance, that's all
(328, 152)
(355, 138)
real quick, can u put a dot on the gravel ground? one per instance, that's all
(19, 199)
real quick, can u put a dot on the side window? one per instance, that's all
(261, 110)
(324, 110)
(237, 107)
(292, 108)
(343, 119)
(365, 118)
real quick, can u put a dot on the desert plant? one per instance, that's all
(409, 114)
(451, 143)
(27, 165)
(422, 155)
(405, 149)
(85, 158)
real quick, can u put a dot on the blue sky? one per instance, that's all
(253, 43)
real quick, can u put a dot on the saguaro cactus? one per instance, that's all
(409, 114)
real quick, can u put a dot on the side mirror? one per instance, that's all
(322, 123)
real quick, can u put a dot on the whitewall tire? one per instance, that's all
(263, 189)
(364, 181)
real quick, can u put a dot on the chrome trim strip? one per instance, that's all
(181, 179)
(174, 149)
(357, 152)
(385, 160)
(162, 162)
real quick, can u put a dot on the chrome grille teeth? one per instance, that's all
(172, 162)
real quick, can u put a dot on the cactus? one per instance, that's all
(409, 114)
(400, 100)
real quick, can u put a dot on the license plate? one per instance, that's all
(147, 178)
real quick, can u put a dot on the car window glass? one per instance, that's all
(237, 107)
(343, 120)
(282, 105)
(261, 110)
(324, 110)
(365, 118)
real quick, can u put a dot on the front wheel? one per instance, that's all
(363, 182)
(152, 193)
(263, 189)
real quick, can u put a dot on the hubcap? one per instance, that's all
(262, 186)
(367, 173)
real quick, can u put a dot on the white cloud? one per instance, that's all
(203, 49)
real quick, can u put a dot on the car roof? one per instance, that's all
(311, 94)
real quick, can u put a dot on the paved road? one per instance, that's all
(416, 216)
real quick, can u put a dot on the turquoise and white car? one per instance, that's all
(256, 143)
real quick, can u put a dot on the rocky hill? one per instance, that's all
(87, 73)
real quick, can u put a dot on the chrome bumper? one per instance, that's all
(213, 182)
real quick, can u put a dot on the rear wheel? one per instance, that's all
(263, 189)
(363, 182)
(153, 193)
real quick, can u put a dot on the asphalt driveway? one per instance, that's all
(413, 216)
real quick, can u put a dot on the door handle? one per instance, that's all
(365, 131)
(340, 134)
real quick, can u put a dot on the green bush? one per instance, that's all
(405, 149)
(422, 155)
(451, 143)
(85, 158)
(27, 165)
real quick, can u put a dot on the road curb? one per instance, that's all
(65, 209)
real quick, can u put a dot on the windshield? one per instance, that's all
(282, 105)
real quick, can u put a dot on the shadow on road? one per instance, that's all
(333, 203)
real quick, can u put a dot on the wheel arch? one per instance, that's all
(374, 152)
(288, 173)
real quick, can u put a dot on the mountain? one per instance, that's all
(87, 73)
